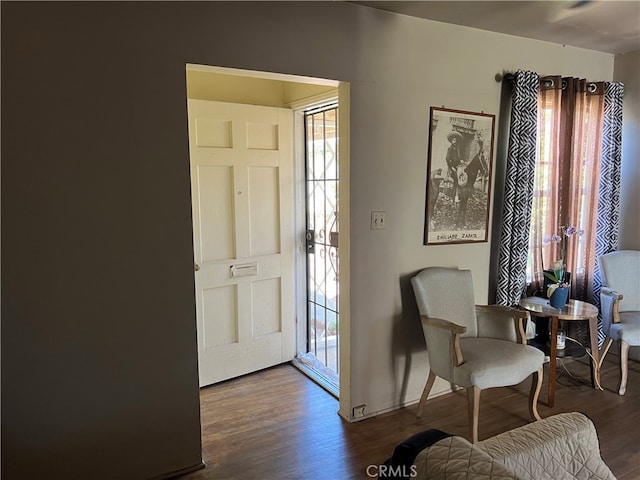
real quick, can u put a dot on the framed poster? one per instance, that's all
(458, 176)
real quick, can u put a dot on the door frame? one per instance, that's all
(302, 273)
(343, 95)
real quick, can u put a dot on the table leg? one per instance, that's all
(553, 351)
(595, 353)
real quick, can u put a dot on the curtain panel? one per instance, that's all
(516, 213)
(566, 178)
(608, 220)
(570, 178)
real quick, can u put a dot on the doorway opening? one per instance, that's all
(322, 278)
(299, 96)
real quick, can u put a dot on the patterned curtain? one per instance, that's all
(516, 213)
(608, 223)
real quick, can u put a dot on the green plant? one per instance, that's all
(560, 265)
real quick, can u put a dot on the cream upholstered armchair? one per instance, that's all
(620, 305)
(474, 347)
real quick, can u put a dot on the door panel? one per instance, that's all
(222, 300)
(215, 188)
(264, 210)
(266, 298)
(242, 197)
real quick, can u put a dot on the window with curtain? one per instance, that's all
(563, 167)
(566, 178)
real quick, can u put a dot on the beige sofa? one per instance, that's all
(561, 447)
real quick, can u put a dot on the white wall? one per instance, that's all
(98, 345)
(627, 70)
(405, 66)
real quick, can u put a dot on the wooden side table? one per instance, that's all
(573, 310)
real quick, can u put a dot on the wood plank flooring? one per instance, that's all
(279, 425)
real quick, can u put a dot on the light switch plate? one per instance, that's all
(378, 220)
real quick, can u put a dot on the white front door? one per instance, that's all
(242, 198)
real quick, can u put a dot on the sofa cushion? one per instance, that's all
(564, 446)
(561, 447)
(454, 458)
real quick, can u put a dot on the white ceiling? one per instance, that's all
(603, 25)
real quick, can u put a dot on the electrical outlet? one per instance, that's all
(378, 220)
(358, 412)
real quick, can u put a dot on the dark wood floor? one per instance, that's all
(278, 424)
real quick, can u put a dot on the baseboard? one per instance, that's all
(400, 405)
(181, 472)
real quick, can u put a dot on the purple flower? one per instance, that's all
(559, 265)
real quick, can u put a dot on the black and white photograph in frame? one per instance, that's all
(458, 176)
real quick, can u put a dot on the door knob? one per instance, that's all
(196, 267)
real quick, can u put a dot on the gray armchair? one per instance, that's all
(620, 305)
(474, 347)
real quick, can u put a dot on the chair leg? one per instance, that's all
(624, 366)
(425, 392)
(473, 398)
(604, 350)
(536, 385)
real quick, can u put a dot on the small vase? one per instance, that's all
(559, 297)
